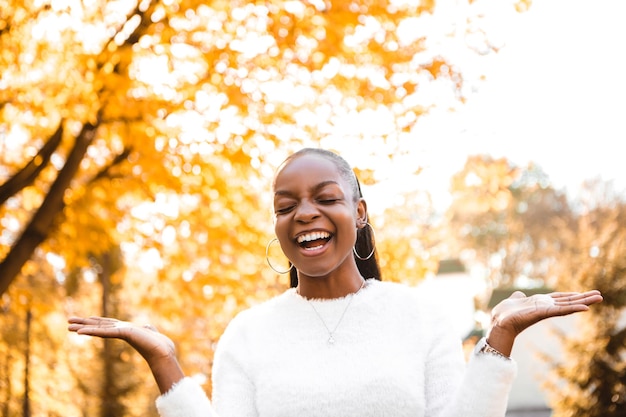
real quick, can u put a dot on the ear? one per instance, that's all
(361, 213)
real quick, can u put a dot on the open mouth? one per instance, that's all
(313, 240)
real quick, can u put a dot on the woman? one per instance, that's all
(341, 342)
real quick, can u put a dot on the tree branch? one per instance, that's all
(144, 15)
(26, 176)
(104, 172)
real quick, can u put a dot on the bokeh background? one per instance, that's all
(138, 142)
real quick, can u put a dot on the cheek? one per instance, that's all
(280, 226)
(281, 232)
(349, 230)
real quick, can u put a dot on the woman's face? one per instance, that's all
(315, 215)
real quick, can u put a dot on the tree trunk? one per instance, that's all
(7, 383)
(111, 405)
(26, 401)
(43, 219)
(106, 399)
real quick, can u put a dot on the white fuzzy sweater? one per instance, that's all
(393, 356)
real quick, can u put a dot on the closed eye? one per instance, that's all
(284, 210)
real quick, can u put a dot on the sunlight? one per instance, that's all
(13, 142)
(55, 260)
(149, 261)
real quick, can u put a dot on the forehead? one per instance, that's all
(308, 170)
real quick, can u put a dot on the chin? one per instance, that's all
(315, 272)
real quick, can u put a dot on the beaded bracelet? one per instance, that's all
(488, 349)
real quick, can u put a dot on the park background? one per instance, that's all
(138, 143)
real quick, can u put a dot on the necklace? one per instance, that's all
(331, 334)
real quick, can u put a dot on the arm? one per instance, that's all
(481, 390)
(180, 396)
(233, 391)
(484, 388)
(156, 348)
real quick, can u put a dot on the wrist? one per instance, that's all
(166, 371)
(501, 340)
(484, 348)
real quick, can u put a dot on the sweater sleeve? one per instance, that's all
(233, 392)
(482, 391)
(455, 387)
(485, 387)
(185, 399)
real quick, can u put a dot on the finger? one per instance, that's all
(103, 320)
(566, 310)
(77, 323)
(121, 331)
(92, 321)
(98, 326)
(586, 298)
(562, 294)
(77, 320)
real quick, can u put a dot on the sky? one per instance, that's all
(554, 94)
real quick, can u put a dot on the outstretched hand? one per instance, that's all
(156, 348)
(518, 312)
(145, 339)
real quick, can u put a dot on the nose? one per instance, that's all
(306, 212)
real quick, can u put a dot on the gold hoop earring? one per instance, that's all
(373, 246)
(267, 258)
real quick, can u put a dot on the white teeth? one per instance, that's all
(313, 236)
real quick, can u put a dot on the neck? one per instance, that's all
(325, 288)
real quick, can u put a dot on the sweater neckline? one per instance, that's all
(369, 283)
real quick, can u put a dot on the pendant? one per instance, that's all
(331, 340)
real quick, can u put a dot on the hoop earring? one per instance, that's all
(373, 248)
(267, 258)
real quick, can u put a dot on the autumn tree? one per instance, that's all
(590, 379)
(509, 217)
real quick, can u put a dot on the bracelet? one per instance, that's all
(488, 349)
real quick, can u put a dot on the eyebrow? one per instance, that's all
(315, 188)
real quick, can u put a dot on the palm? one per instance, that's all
(519, 312)
(150, 344)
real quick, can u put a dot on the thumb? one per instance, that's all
(518, 294)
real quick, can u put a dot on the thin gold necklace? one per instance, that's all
(331, 334)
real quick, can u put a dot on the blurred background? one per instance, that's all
(138, 142)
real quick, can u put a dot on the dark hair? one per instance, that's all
(365, 243)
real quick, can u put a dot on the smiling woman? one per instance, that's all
(308, 207)
(341, 342)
